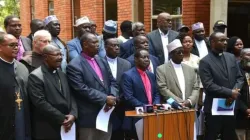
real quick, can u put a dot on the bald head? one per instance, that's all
(164, 22)
(244, 51)
(50, 49)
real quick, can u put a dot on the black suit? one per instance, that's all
(30, 36)
(118, 113)
(218, 82)
(195, 50)
(51, 101)
(155, 43)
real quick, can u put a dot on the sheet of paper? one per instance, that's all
(219, 108)
(102, 119)
(71, 135)
(139, 129)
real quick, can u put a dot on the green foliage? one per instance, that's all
(10, 7)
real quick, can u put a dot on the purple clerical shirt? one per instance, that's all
(92, 62)
(20, 50)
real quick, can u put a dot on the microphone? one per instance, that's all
(174, 104)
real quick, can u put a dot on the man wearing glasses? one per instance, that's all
(34, 58)
(14, 111)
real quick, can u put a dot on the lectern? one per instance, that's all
(167, 125)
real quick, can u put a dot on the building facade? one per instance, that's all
(184, 12)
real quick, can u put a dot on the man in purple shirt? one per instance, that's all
(93, 86)
(13, 26)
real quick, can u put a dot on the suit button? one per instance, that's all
(13, 125)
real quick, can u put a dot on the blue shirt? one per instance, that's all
(64, 52)
(102, 51)
(75, 48)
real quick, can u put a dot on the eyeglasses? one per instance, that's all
(45, 41)
(13, 45)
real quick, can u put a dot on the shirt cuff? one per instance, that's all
(190, 102)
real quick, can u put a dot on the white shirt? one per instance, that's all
(164, 40)
(151, 66)
(202, 48)
(180, 76)
(113, 65)
(123, 39)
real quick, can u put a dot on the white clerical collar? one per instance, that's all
(175, 65)
(7, 61)
(112, 60)
(161, 33)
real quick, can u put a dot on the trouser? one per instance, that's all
(94, 134)
(224, 125)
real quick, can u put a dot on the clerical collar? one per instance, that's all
(7, 61)
(217, 54)
(111, 59)
(174, 64)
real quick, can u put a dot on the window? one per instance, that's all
(110, 10)
(51, 7)
(171, 6)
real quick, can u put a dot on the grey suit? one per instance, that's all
(169, 86)
(155, 42)
(26, 43)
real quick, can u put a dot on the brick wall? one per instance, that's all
(147, 15)
(94, 10)
(124, 12)
(63, 12)
(41, 9)
(25, 16)
(196, 11)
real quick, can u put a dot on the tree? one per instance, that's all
(8, 7)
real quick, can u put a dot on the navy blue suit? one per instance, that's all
(89, 91)
(127, 48)
(134, 94)
(155, 61)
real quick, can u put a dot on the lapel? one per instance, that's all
(48, 76)
(227, 66)
(170, 36)
(171, 68)
(119, 68)
(186, 74)
(217, 63)
(151, 81)
(26, 45)
(158, 40)
(63, 81)
(85, 63)
(103, 70)
(140, 82)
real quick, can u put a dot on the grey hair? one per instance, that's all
(136, 24)
(42, 33)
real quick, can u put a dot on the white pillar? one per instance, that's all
(218, 11)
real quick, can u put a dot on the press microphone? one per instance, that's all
(174, 104)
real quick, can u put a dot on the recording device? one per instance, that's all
(167, 106)
(139, 110)
(159, 107)
(148, 108)
(174, 104)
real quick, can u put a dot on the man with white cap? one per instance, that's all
(82, 25)
(176, 80)
(52, 24)
(201, 44)
(109, 31)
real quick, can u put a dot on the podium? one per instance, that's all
(173, 125)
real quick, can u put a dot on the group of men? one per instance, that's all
(47, 84)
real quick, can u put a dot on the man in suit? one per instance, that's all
(139, 88)
(93, 86)
(176, 80)
(82, 25)
(52, 104)
(141, 42)
(201, 44)
(35, 59)
(221, 78)
(243, 104)
(127, 48)
(117, 66)
(52, 24)
(13, 26)
(161, 37)
(35, 25)
(14, 104)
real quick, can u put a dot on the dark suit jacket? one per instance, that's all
(49, 103)
(217, 82)
(153, 59)
(26, 43)
(7, 101)
(156, 47)
(127, 48)
(118, 113)
(30, 36)
(134, 94)
(90, 93)
(195, 50)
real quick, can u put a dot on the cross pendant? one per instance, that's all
(18, 100)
